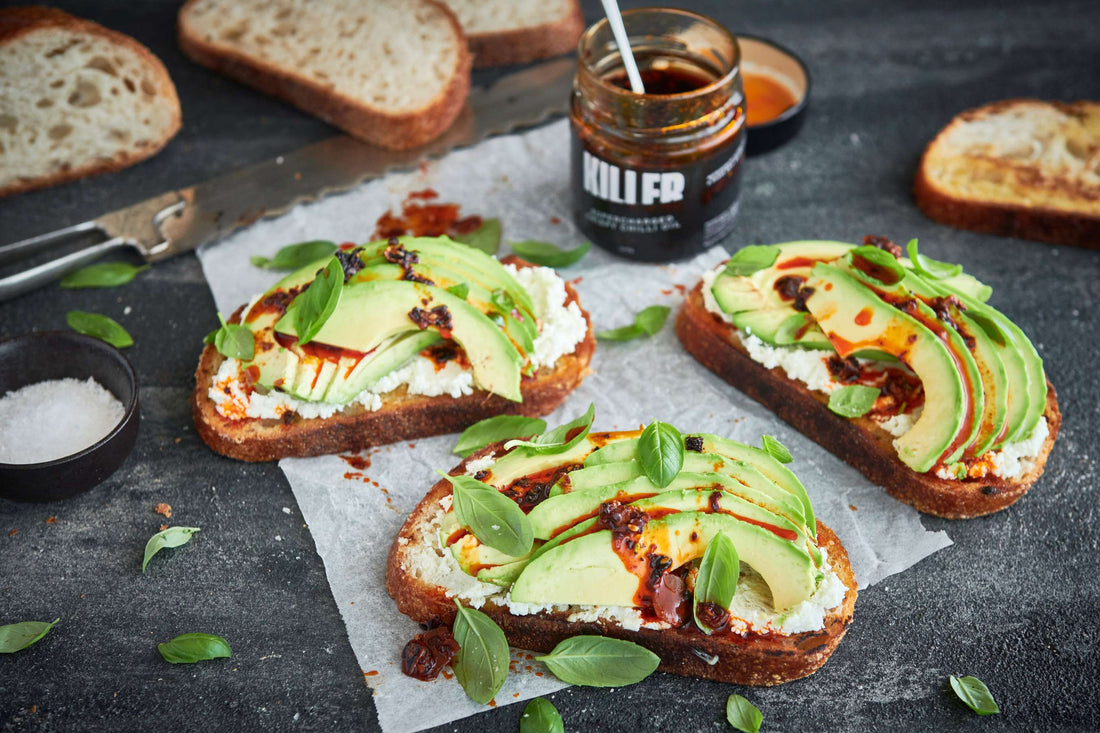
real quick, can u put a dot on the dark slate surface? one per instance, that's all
(1014, 601)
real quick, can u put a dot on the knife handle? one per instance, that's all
(36, 277)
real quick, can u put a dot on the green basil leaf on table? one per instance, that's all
(103, 275)
(853, 400)
(493, 429)
(494, 519)
(928, 267)
(879, 258)
(743, 715)
(775, 449)
(752, 258)
(293, 256)
(540, 716)
(661, 450)
(597, 661)
(647, 322)
(191, 648)
(233, 340)
(481, 664)
(319, 300)
(171, 537)
(461, 290)
(975, 694)
(486, 237)
(100, 327)
(717, 579)
(558, 440)
(549, 255)
(19, 636)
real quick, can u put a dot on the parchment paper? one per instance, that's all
(354, 514)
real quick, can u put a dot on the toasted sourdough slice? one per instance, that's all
(76, 99)
(394, 73)
(755, 659)
(503, 32)
(861, 442)
(1021, 168)
(401, 417)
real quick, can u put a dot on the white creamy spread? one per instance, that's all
(479, 464)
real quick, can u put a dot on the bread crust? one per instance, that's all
(401, 417)
(23, 20)
(396, 131)
(524, 45)
(861, 442)
(1009, 220)
(756, 659)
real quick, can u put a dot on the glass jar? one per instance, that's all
(656, 176)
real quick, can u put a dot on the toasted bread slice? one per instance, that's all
(859, 441)
(755, 659)
(1021, 168)
(503, 32)
(394, 73)
(401, 417)
(76, 99)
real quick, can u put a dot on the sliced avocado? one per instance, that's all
(473, 556)
(391, 355)
(854, 318)
(518, 462)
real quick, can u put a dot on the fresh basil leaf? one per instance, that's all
(494, 519)
(234, 341)
(854, 400)
(743, 715)
(597, 661)
(486, 237)
(294, 256)
(502, 301)
(792, 328)
(928, 267)
(100, 327)
(661, 451)
(191, 648)
(481, 664)
(103, 275)
(622, 333)
(992, 328)
(318, 301)
(558, 439)
(549, 255)
(717, 579)
(459, 291)
(647, 322)
(171, 537)
(493, 429)
(540, 716)
(777, 450)
(16, 637)
(881, 259)
(212, 336)
(752, 258)
(975, 694)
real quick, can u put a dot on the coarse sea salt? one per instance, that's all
(55, 418)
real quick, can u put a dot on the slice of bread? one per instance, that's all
(76, 99)
(394, 73)
(861, 442)
(401, 417)
(503, 32)
(1021, 168)
(755, 659)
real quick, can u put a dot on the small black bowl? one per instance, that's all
(761, 56)
(37, 357)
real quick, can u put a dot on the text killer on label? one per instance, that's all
(626, 186)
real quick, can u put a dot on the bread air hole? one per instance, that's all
(121, 136)
(148, 87)
(60, 132)
(129, 85)
(8, 123)
(99, 63)
(44, 103)
(86, 94)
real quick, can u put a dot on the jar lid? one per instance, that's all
(779, 82)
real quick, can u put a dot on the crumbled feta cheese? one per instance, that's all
(561, 327)
(805, 365)
(479, 464)
(1016, 459)
(899, 425)
(420, 377)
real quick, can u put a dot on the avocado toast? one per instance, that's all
(896, 365)
(423, 336)
(613, 551)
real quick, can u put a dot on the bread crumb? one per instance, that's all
(852, 507)
(51, 520)
(164, 510)
(13, 533)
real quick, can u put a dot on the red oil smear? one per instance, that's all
(372, 673)
(555, 220)
(863, 317)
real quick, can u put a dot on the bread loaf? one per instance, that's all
(503, 32)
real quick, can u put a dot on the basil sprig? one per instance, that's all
(100, 327)
(717, 579)
(481, 664)
(461, 290)
(752, 258)
(493, 429)
(549, 255)
(494, 519)
(975, 694)
(191, 648)
(102, 275)
(743, 715)
(16, 637)
(661, 450)
(233, 340)
(853, 400)
(647, 322)
(597, 661)
(928, 267)
(293, 256)
(314, 306)
(486, 237)
(558, 440)
(540, 716)
(879, 258)
(171, 537)
(775, 449)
